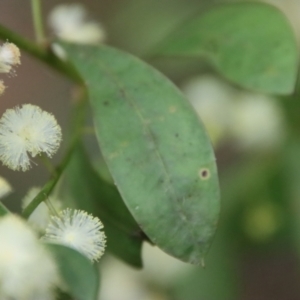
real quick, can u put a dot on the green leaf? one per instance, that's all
(3, 210)
(78, 273)
(156, 149)
(251, 44)
(91, 193)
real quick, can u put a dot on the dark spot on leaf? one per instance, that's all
(106, 103)
(177, 135)
(204, 174)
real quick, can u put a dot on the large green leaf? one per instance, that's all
(251, 44)
(77, 272)
(91, 193)
(156, 149)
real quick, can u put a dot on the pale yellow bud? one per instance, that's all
(2, 87)
(5, 187)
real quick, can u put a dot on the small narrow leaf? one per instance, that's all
(91, 193)
(156, 149)
(77, 272)
(251, 44)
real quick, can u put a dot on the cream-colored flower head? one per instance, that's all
(5, 187)
(69, 22)
(40, 218)
(212, 99)
(79, 230)
(9, 57)
(258, 122)
(27, 129)
(27, 270)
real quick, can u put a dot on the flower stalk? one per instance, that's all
(79, 117)
(37, 21)
(42, 53)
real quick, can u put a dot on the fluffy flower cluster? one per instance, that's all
(79, 230)
(27, 270)
(24, 130)
(69, 23)
(9, 57)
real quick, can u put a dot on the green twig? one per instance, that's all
(49, 186)
(47, 163)
(44, 54)
(51, 207)
(37, 21)
(79, 116)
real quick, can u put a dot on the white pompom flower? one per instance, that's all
(27, 129)
(212, 99)
(69, 22)
(79, 230)
(27, 270)
(258, 122)
(9, 57)
(40, 217)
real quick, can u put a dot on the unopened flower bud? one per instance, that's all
(2, 87)
(5, 187)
